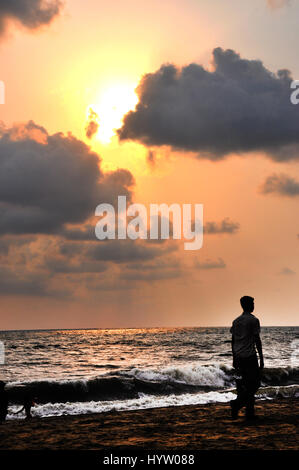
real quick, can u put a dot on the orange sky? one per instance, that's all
(56, 72)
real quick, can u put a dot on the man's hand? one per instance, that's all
(259, 348)
(235, 363)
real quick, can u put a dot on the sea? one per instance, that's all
(70, 372)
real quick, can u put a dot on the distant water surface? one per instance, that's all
(83, 371)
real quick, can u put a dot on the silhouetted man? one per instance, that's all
(245, 340)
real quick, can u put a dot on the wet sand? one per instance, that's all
(196, 427)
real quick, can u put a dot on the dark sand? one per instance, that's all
(201, 427)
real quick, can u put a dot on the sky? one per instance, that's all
(180, 101)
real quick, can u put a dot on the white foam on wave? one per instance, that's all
(143, 402)
(285, 391)
(191, 373)
(147, 401)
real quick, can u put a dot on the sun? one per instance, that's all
(113, 102)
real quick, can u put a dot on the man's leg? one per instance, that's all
(252, 381)
(241, 399)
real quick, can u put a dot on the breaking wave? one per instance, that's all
(134, 383)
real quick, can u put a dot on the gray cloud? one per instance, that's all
(28, 283)
(53, 267)
(287, 272)
(31, 14)
(49, 188)
(85, 233)
(240, 106)
(210, 264)
(47, 181)
(281, 184)
(92, 124)
(225, 226)
(123, 251)
(7, 242)
(67, 266)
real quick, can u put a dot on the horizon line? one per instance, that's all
(140, 327)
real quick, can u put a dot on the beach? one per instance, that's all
(194, 427)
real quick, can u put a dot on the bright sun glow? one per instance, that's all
(111, 106)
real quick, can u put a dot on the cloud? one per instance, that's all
(281, 184)
(123, 251)
(50, 186)
(7, 242)
(225, 226)
(239, 106)
(50, 266)
(84, 233)
(157, 271)
(66, 266)
(151, 158)
(275, 4)
(52, 181)
(26, 283)
(210, 264)
(92, 124)
(32, 14)
(287, 272)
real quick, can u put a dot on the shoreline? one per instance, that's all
(196, 427)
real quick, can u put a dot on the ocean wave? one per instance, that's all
(129, 384)
(142, 402)
(214, 376)
(280, 376)
(149, 401)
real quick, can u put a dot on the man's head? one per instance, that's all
(247, 303)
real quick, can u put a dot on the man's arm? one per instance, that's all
(234, 357)
(259, 348)
(233, 340)
(258, 344)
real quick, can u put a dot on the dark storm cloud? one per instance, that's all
(123, 251)
(240, 106)
(29, 13)
(7, 242)
(225, 226)
(86, 233)
(133, 252)
(92, 124)
(27, 283)
(210, 264)
(51, 181)
(116, 183)
(281, 184)
(50, 266)
(66, 266)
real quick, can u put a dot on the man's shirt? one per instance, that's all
(244, 329)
